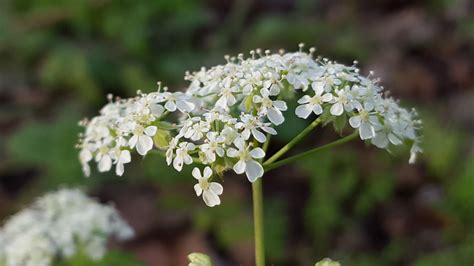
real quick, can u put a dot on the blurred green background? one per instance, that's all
(356, 204)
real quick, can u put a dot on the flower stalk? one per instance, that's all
(258, 222)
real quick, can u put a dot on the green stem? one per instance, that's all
(258, 222)
(291, 159)
(293, 142)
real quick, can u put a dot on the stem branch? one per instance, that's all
(293, 142)
(271, 166)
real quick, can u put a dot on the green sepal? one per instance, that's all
(162, 138)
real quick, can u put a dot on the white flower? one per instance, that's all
(414, 150)
(177, 100)
(227, 94)
(103, 158)
(229, 134)
(239, 102)
(182, 156)
(365, 122)
(85, 156)
(59, 225)
(172, 146)
(212, 146)
(313, 104)
(251, 81)
(210, 190)
(246, 157)
(252, 125)
(142, 139)
(298, 81)
(121, 157)
(272, 109)
(385, 135)
(197, 130)
(342, 102)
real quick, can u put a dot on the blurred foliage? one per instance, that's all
(50, 147)
(112, 258)
(71, 53)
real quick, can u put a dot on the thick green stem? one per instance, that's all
(291, 159)
(258, 222)
(293, 142)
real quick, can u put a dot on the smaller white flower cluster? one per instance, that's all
(124, 125)
(228, 112)
(58, 226)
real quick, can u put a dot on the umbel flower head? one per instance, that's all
(223, 119)
(58, 226)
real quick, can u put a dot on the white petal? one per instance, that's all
(366, 131)
(239, 167)
(269, 130)
(170, 106)
(257, 99)
(380, 140)
(133, 141)
(210, 198)
(303, 111)
(184, 106)
(355, 121)
(119, 169)
(231, 100)
(190, 146)
(275, 89)
(253, 170)
(86, 169)
(264, 92)
(178, 164)
(105, 163)
(207, 172)
(275, 116)
(394, 139)
(145, 143)
(317, 109)
(222, 102)
(280, 105)
(318, 87)
(85, 155)
(198, 190)
(304, 99)
(157, 109)
(231, 152)
(125, 156)
(216, 188)
(246, 134)
(259, 136)
(239, 143)
(196, 173)
(257, 153)
(337, 109)
(220, 151)
(327, 97)
(150, 131)
(188, 159)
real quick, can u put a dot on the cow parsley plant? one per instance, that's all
(224, 119)
(56, 227)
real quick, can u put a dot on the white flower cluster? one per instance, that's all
(57, 226)
(228, 111)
